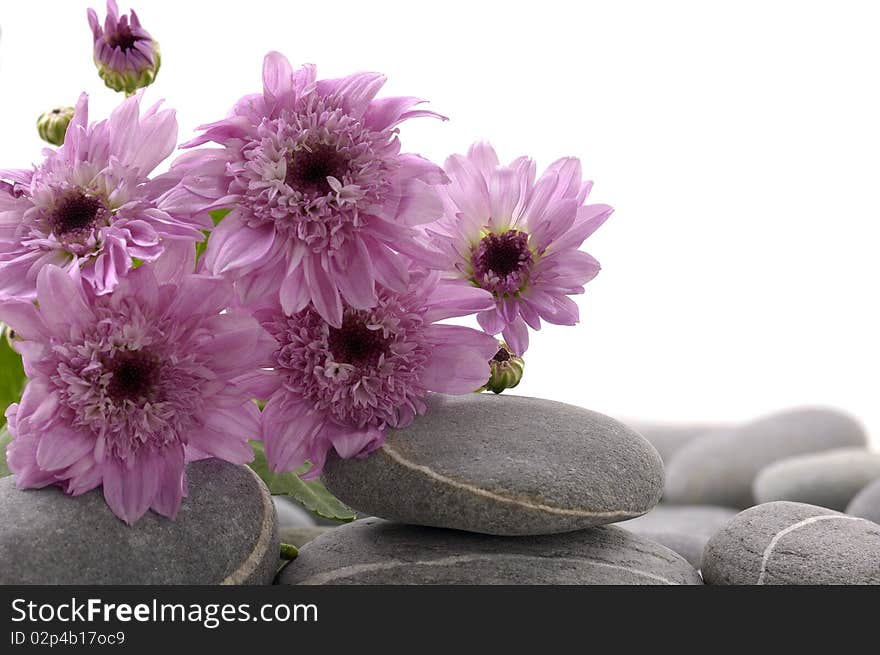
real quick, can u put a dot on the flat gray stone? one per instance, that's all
(291, 514)
(669, 438)
(721, 469)
(866, 504)
(503, 465)
(682, 528)
(225, 533)
(793, 543)
(373, 551)
(830, 479)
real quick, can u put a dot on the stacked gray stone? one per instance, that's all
(496, 490)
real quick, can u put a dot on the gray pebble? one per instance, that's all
(373, 551)
(791, 544)
(682, 528)
(503, 465)
(720, 470)
(830, 479)
(225, 533)
(866, 504)
(669, 438)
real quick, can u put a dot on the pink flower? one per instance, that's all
(341, 387)
(321, 197)
(518, 238)
(90, 206)
(123, 388)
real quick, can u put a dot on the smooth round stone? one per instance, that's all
(504, 465)
(291, 514)
(683, 528)
(373, 551)
(830, 479)
(793, 543)
(866, 504)
(721, 469)
(669, 438)
(225, 533)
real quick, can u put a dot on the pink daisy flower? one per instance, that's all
(123, 388)
(90, 206)
(321, 197)
(341, 387)
(518, 238)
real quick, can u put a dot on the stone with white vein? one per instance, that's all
(793, 544)
(504, 465)
(373, 551)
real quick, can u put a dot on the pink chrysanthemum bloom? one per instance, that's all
(91, 205)
(518, 238)
(321, 196)
(341, 387)
(126, 55)
(124, 388)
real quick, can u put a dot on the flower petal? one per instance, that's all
(451, 300)
(171, 483)
(356, 280)
(459, 359)
(24, 318)
(294, 293)
(59, 296)
(277, 80)
(516, 335)
(130, 490)
(59, 447)
(325, 295)
(234, 245)
(589, 219)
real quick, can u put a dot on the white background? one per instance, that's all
(738, 141)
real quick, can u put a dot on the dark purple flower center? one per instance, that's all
(134, 376)
(501, 356)
(122, 38)
(354, 343)
(308, 170)
(502, 262)
(75, 213)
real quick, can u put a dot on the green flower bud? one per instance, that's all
(126, 55)
(127, 80)
(52, 125)
(507, 370)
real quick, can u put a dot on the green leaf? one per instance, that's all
(11, 374)
(5, 438)
(312, 494)
(217, 215)
(201, 245)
